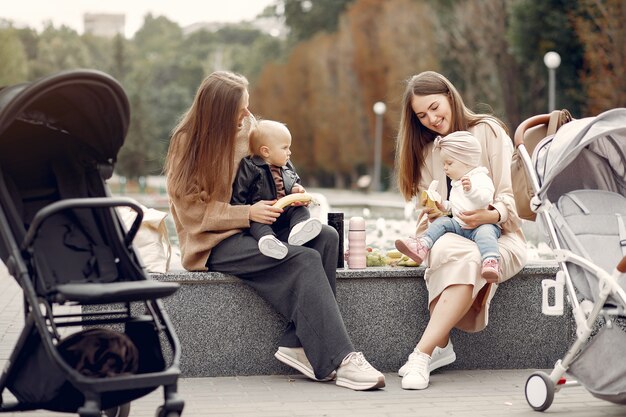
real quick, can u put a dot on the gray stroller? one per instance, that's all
(578, 176)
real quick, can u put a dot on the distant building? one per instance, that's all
(104, 24)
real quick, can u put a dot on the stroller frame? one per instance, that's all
(41, 319)
(541, 387)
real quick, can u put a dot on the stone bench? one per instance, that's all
(226, 329)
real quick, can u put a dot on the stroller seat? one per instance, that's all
(594, 228)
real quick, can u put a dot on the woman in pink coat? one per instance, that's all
(458, 297)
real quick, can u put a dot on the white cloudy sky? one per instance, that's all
(184, 12)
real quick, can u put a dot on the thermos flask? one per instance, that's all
(356, 244)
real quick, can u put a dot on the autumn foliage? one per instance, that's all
(326, 89)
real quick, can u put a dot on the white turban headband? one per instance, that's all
(462, 146)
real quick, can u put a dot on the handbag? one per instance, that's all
(152, 240)
(530, 133)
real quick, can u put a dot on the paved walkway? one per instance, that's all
(452, 393)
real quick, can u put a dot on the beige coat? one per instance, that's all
(203, 223)
(456, 260)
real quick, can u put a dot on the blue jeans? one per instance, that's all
(485, 236)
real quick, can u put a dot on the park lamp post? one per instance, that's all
(379, 109)
(552, 60)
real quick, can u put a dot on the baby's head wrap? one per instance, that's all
(462, 146)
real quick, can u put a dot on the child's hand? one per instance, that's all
(431, 213)
(466, 183)
(296, 189)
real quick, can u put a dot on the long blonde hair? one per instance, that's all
(200, 156)
(414, 137)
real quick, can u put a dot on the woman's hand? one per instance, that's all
(475, 218)
(263, 212)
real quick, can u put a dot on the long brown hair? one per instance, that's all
(413, 136)
(201, 152)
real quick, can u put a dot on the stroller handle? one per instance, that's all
(72, 203)
(540, 119)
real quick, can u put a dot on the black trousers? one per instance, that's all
(301, 287)
(287, 220)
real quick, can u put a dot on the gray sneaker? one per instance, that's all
(296, 358)
(441, 357)
(272, 247)
(304, 231)
(356, 373)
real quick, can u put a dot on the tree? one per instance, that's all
(101, 52)
(57, 50)
(120, 65)
(138, 156)
(158, 35)
(14, 68)
(476, 56)
(600, 27)
(537, 27)
(29, 39)
(326, 90)
(305, 18)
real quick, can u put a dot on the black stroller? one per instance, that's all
(62, 240)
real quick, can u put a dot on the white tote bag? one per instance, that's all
(152, 240)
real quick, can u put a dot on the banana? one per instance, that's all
(406, 261)
(428, 198)
(394, 253)
(411, 262)
(293, 198)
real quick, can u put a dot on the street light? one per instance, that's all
(379, 109)
(552, 60)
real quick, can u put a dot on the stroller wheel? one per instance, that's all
(539, 391)
(161, 412)
(120, 411)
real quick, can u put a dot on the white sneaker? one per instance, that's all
(416, 374)
(296, 358)
(356, 373)
(440, 358)
(304, 231)
(272, 247)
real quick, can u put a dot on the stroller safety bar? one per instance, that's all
(72, 203)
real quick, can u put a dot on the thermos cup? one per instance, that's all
(357, 254)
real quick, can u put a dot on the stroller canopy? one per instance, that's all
(88, 105)
(587, 153)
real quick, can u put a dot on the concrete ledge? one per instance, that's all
(227, 329)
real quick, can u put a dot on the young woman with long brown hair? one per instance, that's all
(458, 297)
(205, 150)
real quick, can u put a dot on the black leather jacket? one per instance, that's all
(254, 182)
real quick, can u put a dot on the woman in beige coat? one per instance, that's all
(205, 150)
(458, 297)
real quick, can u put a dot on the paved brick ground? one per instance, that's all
(452, 393)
